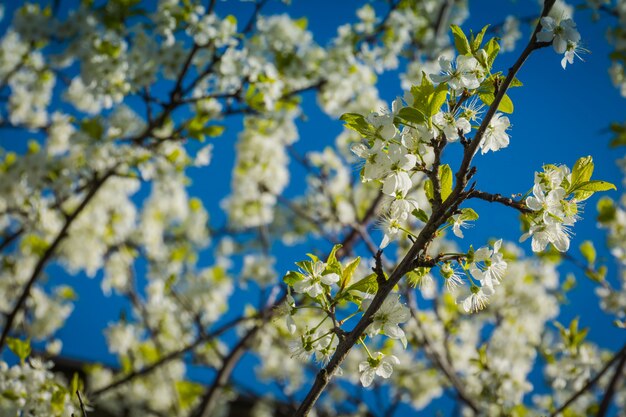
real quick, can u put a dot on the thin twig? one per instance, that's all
(590, 383)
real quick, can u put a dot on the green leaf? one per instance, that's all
(429, 190)
(232, 19)
(478, 39)
(21, 348)
(588, 251)
(620, 135)
(187, 392)
(93, 128)
(420, 215)
(506, 104)
(606, 210)
(292, 277)
(492, 48)
(460, 40)
(468, 214)
(369, 285)
(348, 271)
(582, 171)
(595, 185)
(437, 99)
(358, 123)
(445, 180)
(422, 95)
(77, 383)
(411, 115)
(332, 264)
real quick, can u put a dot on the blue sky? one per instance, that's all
(560, 116)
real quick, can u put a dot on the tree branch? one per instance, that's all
(610, 391)
(48, 255)
(591, 382)
(498, 198)
(438, 218)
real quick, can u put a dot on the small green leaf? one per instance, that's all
(429, 190)
(420, 215)
(468, 214)
(21, 348)
(292, 277)
(358, 123)
(332, 264)
(506, 105)
(595, 185)
(606, 210)
(369, 285)
(588, 251)
(582, 171)
(492, 48)
(445, 179)
(620, 135)
(460, 40)
(478, 39)
(437, 99)
(411, 115)
(187, 392)
(348, 271)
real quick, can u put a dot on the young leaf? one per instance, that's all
(292, 277)
(460, 40)
(478, 39)
(358, 123)
(348, 271)
(428, 189)
(420, 215)
(411, 115)
(445, 179)
(332, 264)
(588, 251)
(582, 171)
(369, 285)
(21, 348)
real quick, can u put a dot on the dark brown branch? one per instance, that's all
(10, 238)
(206, 406)
(610, 390)
(82, 404)
(169, 357)
(434, 357)
(48, 255)
(590, 383)
(499, 198)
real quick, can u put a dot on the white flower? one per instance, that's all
(477, 300)
(493, 266)
(376, 161)
(380, 364)
(450, 126)
(550, 203)
(573, 50)
(391, 227)
(495, 137)
(386, 319)
(467, 74)
(458, 224)
(398, 182)
(451, 276)
(556, 233)
(558, 33)
(312, 280)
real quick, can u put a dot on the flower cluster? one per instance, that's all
(564, 38)
(554, 204)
